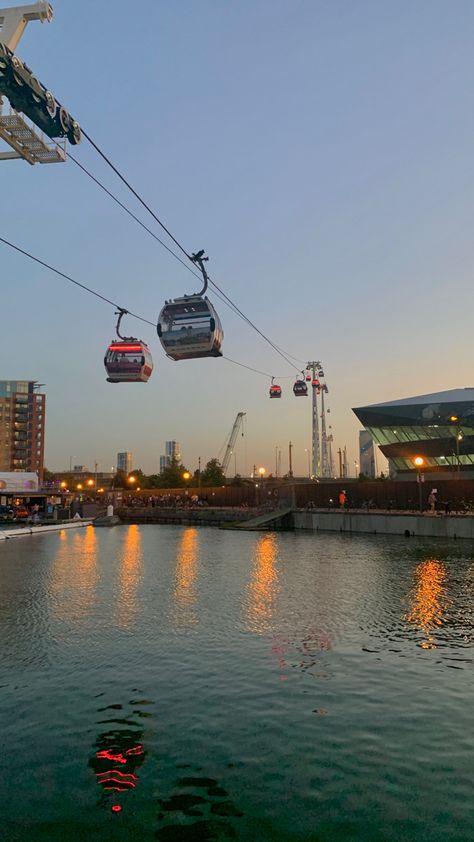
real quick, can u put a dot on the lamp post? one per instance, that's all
(459, 437)
(419, 462)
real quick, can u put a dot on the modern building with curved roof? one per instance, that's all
(437, 427)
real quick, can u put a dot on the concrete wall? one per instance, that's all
(430, 526)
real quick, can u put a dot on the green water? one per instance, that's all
(235, 685)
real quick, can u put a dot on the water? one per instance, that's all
(235, 685)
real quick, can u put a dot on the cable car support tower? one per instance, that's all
(47, 118)
(315, 448)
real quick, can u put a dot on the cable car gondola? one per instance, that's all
(300, 389)
(315, 383)
(127, 360)
(308, 377)
(189, 327)
(275, 390)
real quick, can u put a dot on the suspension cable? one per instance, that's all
(107, 300)
(182, 249)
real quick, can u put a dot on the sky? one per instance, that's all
(321, 154)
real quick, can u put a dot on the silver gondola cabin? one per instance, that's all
(189, 327)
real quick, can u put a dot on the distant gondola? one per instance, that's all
(275, 390)
(300, 389)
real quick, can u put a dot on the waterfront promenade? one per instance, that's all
(353, 521)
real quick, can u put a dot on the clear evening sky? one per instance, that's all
(321, 153)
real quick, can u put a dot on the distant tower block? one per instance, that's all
(125, 462)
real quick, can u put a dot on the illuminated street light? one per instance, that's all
(419, 461)
(90, 482)
(186, 475)
(459, 437)
(131, 480)
(79, 487)
(262, 472)
(63, 484)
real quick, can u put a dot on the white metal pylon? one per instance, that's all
(315, 446)
(324, 444)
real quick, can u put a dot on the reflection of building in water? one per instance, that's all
(428, 600)
(130, 574)
(263, 587)
(185, 591)
(74, 589)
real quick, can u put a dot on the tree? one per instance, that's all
(213, 474)
(170, 477)
(119, 480)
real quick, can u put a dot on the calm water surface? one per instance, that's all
(215, 685)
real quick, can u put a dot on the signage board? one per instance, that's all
(18, 482)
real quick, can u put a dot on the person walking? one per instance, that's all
(342, 499)
(432, 501)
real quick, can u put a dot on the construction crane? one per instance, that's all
(232, 439)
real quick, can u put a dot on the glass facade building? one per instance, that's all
(125, 461)
(438, 427)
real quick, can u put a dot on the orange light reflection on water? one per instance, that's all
(263, 586)
(185, 591)
(428, 600)
(73, 588)
(130, 573)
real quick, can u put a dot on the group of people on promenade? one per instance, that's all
(433, 505)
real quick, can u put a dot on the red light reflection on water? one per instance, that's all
(113, 779)
(116, 780)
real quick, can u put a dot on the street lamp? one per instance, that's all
(132, 480)
(419, 462)
(459, 437)
(186, 475)
(262, 472)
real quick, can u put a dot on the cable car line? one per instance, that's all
(72, 281)
(256, 370)
(223, 297)
(120, 309)
(137, 195)
(219, 293)
(130, 213)
(178, 244)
